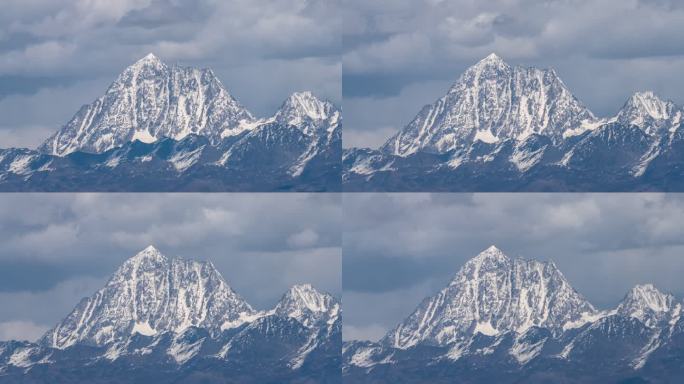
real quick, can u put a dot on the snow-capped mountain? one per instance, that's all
(648, 305)
(650, 113)
(512, 320)
(151, 294)
(170, 128)
(303, 109)
(493, 101)
(161, 318)
(494, 294)
(148, 101)
(308, 306)
(505, 128)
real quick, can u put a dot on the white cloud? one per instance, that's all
(21, 330)
(303, 239)
(26, 315)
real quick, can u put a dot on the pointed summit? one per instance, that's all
(148, 251)
(649, 103)
(492, 58)
(149, 58)
(647, 304)
(148, 255)
(649, 112)
(491, 256)
(493, 294)
(491, 66)
(151, 294)
(306, 304)
(492, 101)
(148, 61)
(492, 250)
(308, 297)
(149, 101)
(301, 107)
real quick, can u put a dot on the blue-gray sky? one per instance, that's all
(57, 248)
(56, 55)
(400, 248)
(402, 54)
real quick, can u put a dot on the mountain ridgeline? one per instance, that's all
(172, 128)
(511, 128)
(504, 320)
(169, 320)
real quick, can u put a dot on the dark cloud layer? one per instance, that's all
(56, 55)
(56, 249)
(399, 248)
(603, 50)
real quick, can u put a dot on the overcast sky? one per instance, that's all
(402, 54)
(400, 248)
(58, 248)
(56, 55)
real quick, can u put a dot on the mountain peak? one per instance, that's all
(493, 249)
(306, 296)
(645, 94)
(650, 102)
(493, 294)
(491, 254)
(306, 304)
(152, 101)
(151, 294)
(149, 254)
(645, 299)
(496, 101)
(150, 250)
(149, 60)
(490, 66)
(492, 58)
(303, 106)
(302, 288)
(649, 112)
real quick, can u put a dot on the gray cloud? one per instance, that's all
(604, 51)
(399, 248)
(56, 249)
(262, 50)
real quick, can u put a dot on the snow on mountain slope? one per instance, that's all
(493, 294)
(304, 127)
(148, 101)
(307, 305)
(159, 318)
(648, 305)
(318, 119)
(650, 113)
(505, 320)
(305, 109)
(490, 102)
(317, 311)
(151, 294)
